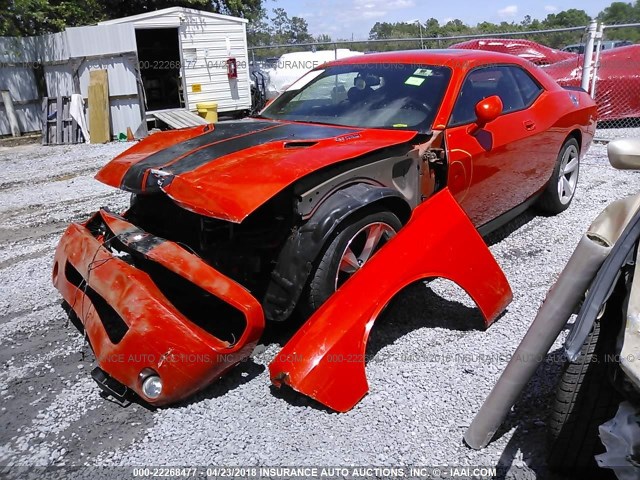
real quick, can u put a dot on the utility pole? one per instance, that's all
(420, 26)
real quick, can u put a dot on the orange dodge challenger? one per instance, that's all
(365, 175)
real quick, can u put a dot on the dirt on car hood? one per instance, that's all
(230, 169)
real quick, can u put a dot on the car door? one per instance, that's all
(502, 164)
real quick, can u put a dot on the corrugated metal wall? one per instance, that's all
(18, 57)
(58, 73)
(59, 79)
(101, 40)
(106, 47)
(65, 60)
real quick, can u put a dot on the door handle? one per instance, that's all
(529, 125)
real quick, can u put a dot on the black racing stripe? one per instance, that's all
(133, 178)
(287, 131)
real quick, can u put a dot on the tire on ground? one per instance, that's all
(550, 202)
(585, 399)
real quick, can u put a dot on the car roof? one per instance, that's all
(463, 59)
(604, 42)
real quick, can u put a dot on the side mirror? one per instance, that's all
(487, 111)
(624, 153)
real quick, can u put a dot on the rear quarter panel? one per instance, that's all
(575, 109)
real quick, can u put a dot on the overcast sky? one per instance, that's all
(342, 18)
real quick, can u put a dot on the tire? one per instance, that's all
(553, 200)
(585, 399)
(326, 276)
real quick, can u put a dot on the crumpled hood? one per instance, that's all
(230, 170)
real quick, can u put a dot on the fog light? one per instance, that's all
(152, 387)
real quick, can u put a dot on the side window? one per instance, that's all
(514, 86)
(508, 91)
(529, 88)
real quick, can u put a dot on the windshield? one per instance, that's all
(389, 95)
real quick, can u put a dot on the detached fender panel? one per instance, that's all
(438, 241)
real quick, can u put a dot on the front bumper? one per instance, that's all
(121, 283)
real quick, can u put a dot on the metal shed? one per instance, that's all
(166, 59)
(183, 58)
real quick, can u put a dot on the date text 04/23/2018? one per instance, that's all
(319, 472)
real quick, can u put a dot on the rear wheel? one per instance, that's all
(562, 187)
(351, 247)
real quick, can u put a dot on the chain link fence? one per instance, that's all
(554, 38)
(613, 76)
(615, 82)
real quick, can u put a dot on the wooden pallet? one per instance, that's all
(57, 125)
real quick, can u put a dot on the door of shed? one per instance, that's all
(161, 69)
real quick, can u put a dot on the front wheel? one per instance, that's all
(561, 188)
(351, 247)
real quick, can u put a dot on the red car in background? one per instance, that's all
(532, 51)
(618, 81)
(366, 175)
(617, 84)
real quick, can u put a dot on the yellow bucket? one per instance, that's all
(208, 111)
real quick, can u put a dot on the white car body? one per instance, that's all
(292, 66)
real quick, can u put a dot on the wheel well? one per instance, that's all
(397, 206)
(303, 246)
(577, 134)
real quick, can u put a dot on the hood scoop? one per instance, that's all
(299, 144)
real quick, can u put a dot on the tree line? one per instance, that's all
(35, 17)
(616, 13)
(437, 35)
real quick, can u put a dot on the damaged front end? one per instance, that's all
(176, 291)
(161, 321)
(164, 323)
(222, 235)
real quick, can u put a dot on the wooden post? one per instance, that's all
(11, 113)
(45, 121)
(59, 117)
(99, 124)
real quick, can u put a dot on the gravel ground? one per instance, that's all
(632, 130)
(432, 363)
